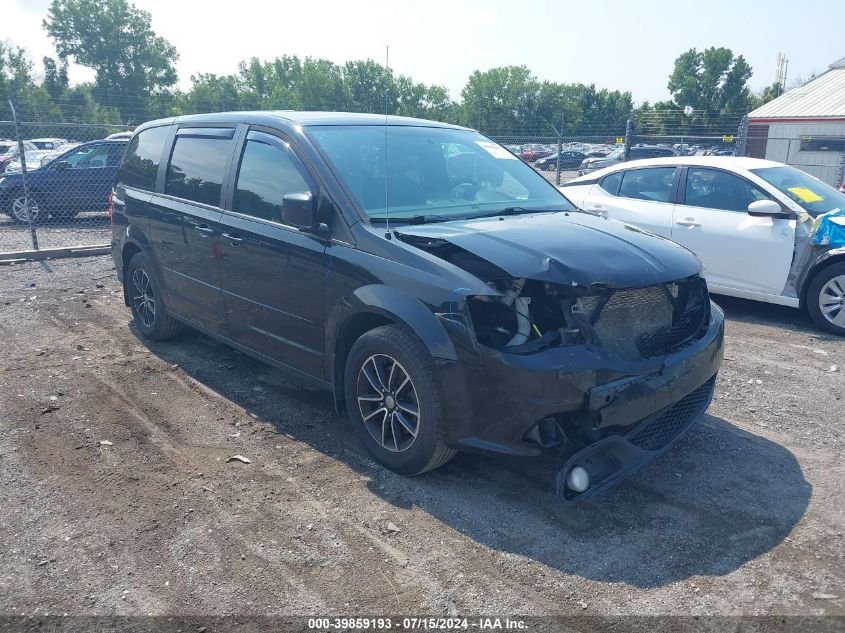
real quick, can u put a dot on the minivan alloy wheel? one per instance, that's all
(19, 209)
(832, 300)
(387, 400)
(143, 298)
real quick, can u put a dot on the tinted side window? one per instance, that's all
(197, 168)
(720, 190)
(140, 166)
(654, 184)
(266, 174)
(611, 183)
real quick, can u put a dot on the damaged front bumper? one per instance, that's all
(598, 401)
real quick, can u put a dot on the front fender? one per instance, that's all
(396, 306)
(819, 262)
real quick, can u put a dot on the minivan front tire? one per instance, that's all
(393, 401)
(144, 295)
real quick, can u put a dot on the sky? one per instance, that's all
(624, 45)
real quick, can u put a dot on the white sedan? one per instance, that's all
(753, 223)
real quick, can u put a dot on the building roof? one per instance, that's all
(822, 97)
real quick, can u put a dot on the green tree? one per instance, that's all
(31, 101)
(500, 100)
(115, 39)
(767, 94)
(713, 82)
(55, 78)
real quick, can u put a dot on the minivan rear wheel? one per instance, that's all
(826, 298)
(144, 296)
(393, 401)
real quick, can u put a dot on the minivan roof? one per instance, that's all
(301, 118)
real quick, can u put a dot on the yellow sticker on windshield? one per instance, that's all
(805, 195)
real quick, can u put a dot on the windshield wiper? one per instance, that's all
(414, 219)
(509, 211)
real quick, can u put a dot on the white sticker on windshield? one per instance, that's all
(496, 151)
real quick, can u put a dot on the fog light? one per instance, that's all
(578, 479)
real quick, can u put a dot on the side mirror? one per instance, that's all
(765, 209)
(61, 165)
(300, 210)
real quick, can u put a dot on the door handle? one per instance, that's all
(687, 222)
(234, 240)
(204, 230)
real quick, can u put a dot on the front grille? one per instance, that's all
(660, 429)
(647, 322)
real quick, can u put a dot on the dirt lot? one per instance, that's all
(87, 228)
(744, 516)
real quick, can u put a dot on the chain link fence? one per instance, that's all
(560, 159)
(57, 197)
(55, 182)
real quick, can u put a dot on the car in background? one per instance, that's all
(752, 222)
(78, 180)
(50, 155)
(531, 154)
(568, 160)
(48, 143)
(637, 152)
(33, 162)
(842, 187)
(11, 153)
(119, 136)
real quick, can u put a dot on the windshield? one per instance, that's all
(435, 173)
(810, 193)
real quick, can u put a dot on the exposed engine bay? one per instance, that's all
(530, 315)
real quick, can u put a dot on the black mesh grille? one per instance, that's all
(650, 321)
(658, 430)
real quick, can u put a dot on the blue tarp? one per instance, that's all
(830, 229)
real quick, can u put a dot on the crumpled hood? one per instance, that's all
(568, 248)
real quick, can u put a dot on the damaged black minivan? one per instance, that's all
(446, 293)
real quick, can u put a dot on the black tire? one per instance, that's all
(154, 324)
(37, 210)
(819, 291)
(427, 449)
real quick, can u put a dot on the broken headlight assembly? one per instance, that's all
(528, 317)
(632, 323)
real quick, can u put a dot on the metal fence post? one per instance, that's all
(23, 178)
(560, 147)
(629, 132)
(742, 137)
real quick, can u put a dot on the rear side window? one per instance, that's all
(611, 183)
(140, 166)
(654, 184)
(198, 166)
(267, 173)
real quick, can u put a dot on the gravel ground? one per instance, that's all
(86, 229)
(117, 497)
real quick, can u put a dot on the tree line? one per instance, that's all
(135, 80)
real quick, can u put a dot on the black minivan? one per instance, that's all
(446, 294)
